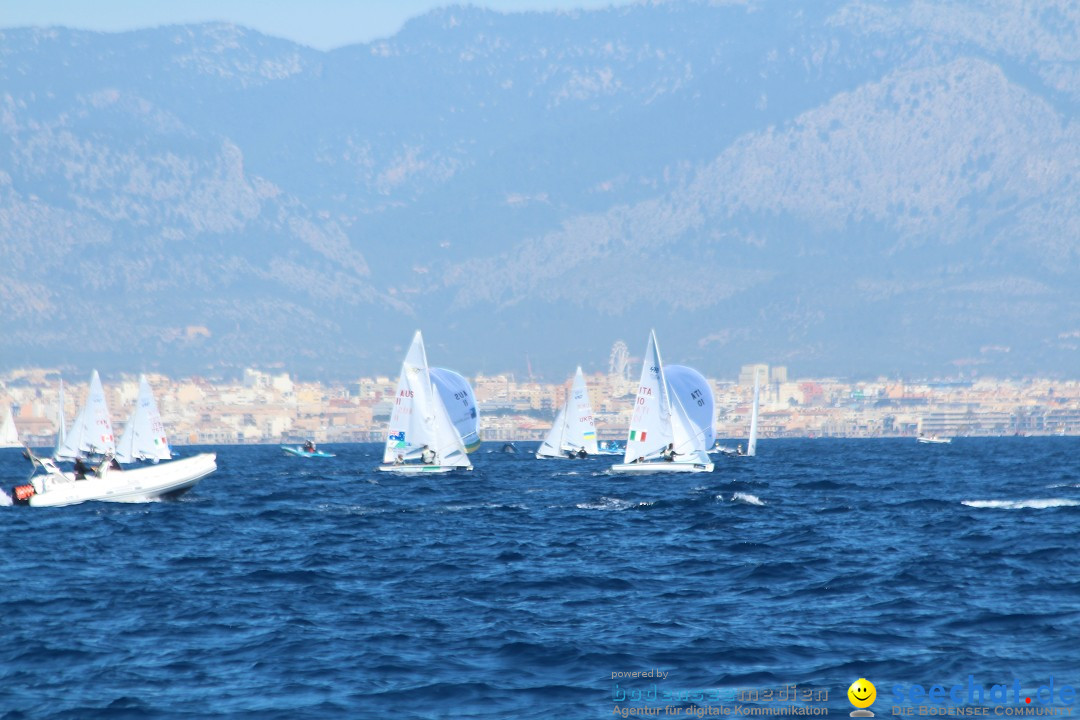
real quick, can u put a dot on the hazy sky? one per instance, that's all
(322, 24)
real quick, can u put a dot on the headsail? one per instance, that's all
(92, 432)
(144, 436)
(553, 443)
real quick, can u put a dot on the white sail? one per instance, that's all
(61, 422)
(460, 402)
(9, 435)
(751, 443)
(580, 425)
(650, 425)
(144, 436)
(693, 412)
(450, 450)
(412, 420)
(92, 432)
(552, 447)
(574, 428)
(419, 418)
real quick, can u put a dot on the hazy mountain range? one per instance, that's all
(846, 188)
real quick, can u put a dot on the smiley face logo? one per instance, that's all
(862, 694)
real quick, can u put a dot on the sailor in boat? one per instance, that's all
(309, 446)
(427, 455)
(80, 469)
(668, 454)
(582, 454)
(399, 460)
(739, 450)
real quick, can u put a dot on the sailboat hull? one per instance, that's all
(421, 469)
(144, 484)
(659, 467)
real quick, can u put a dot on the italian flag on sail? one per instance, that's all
(637, 435)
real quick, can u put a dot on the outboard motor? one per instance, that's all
(21, 494)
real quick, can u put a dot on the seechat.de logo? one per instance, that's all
(862, 694)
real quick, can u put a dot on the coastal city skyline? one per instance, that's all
(263, 407)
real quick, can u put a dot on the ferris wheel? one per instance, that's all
(619, 362)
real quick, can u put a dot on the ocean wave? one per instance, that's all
(747, 498)
(1033, 504)
(609, 503)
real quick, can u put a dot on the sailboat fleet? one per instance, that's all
(90, 439)
(433, 428)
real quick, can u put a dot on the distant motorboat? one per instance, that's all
(934, 440)
(297, 451)
(91, 435)
(109, 483)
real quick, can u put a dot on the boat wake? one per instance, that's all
(1034, 504)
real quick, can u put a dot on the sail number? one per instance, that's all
(697, 396)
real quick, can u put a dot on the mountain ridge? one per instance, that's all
(853, 188)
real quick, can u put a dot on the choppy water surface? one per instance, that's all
(291, 588)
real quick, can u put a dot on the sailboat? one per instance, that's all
(421, 427)
(751, 443)
(144, 436)
(9, 434)
(673, 421)
(574, 429)
(91, 434)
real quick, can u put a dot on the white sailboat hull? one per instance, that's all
(660, 467)
(415, 469)
(935, 440)
(144, 484)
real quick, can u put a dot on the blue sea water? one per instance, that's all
(289, 588)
